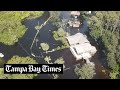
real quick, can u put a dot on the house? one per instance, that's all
(75, 13)
(78, 38)
(80, 47)
(74, 22)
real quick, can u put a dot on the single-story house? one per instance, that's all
(80, 47)
(78, 38)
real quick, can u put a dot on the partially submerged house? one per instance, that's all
(74, 22)
(80, 47)
(75, 13)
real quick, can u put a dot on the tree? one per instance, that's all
(118, 54)
(2, 62)
(55, 17)
(47, 59)
(111, 60)
(60, 61)
(23, 76)
(60, 35)
(104, 26)
(4, 76)
(85, 14)
(22, 60)
(87, 71)
(61, 32)
(55, 35)
(114, 73)
(44, 46)
(15, 76)
(11, 27)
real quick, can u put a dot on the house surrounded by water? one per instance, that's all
(74, 22)
(75, 13)
(80, 47)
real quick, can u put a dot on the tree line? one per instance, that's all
(104, 28)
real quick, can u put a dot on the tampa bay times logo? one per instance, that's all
(33, 68)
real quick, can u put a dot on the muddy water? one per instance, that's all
(100, 62)
(22, 48)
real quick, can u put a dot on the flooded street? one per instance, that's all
(22, 48)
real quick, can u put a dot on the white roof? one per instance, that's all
(79, 49)
(80, 46)
(77, 38)
(83, 48)
(87, 47)
(1, 55)
(86, 55)
(75, 54)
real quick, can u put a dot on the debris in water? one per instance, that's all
(103, 71)
(1, 55)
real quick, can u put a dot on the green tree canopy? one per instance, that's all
(87, 71)
(114, 73)
(60, 61)
(44, 46)
(60, 35)
(47, 59)
(61, 32)
(19, 60)
(4, 76)
(55, 16)
(2, 62)
(11, 28)
(104, 26)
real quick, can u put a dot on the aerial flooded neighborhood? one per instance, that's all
(85, 43)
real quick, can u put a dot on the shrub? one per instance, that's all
(44, 46)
